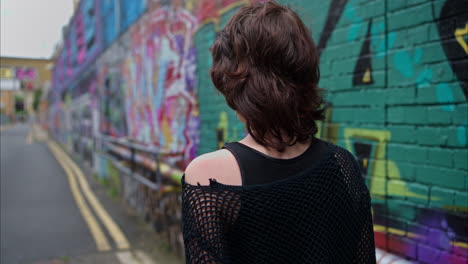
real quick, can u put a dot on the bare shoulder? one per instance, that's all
(220, 165)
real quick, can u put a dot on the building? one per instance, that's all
(21, 77)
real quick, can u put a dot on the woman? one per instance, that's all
(279, 195)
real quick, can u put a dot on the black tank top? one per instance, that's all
(258, 168)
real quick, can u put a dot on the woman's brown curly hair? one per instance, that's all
(265, 63)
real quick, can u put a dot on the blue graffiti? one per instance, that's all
(405, 63)
(424, 78)
(444, 95)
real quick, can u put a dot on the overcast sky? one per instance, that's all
(31, 28)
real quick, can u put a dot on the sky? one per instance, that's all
(32, 28)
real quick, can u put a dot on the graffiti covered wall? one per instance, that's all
(396, 81)
(399, 104)
(159, 79)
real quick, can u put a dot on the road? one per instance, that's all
(43, 221)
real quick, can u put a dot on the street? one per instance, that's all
(49, 215)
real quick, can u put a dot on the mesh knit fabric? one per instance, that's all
(321, 215)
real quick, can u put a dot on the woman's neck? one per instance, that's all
(290, 151)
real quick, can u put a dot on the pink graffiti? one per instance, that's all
(80, 38)
(29, 74)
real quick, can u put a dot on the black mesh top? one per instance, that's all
(319, 215)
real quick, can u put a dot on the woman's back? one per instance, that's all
(319, 215)
(276, 196)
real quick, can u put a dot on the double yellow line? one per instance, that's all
(75, 176)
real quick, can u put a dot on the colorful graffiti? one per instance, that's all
(23, 74)
(418, 187)
(148, 94)
(82, 43)
(28, 74)
(118, 15)
(159, 79)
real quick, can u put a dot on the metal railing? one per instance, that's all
(148, 184)
(132, 153)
